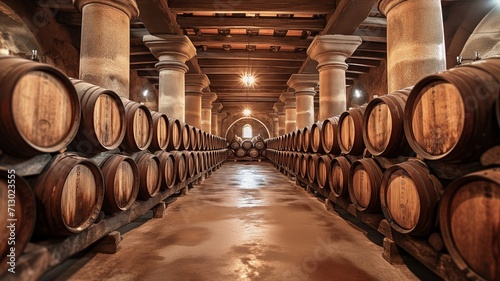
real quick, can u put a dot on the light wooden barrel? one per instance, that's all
(204, 141)
(298, 163)
(246, 144)
(230, 152)
(40, 111)
(201, 161)
(139, 123)
(350, 131)
(304, 163)
(149, 168)
(190, 164)
(161, 136)
(329, 135)
(253, 152)
(383, 125)
(469, 217)
(365, 177)
(312, 168)
(196, 163)
(193, 137)
(449, 116)
(175, 132)
(339, 176)
(121, 178)
(323, 171)
(15, 191)
(298, 140)
(409, 195)
(201, 142)
(185, 137)
(240, 152)
(290, 160)
(69, 195)
(316, 138)
(180, 166)
(258, 142)
(263, 152)
(102, 126)
(291, 141)
(167, 169)
(234, 145)
(306, 139)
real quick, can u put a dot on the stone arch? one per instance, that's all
(242, 118)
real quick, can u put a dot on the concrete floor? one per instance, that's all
(245, 222)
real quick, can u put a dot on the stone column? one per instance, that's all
(206, 111)
(274, 117)
(172, 52)
(195, 83)
(304, 93)
(216, 107)
(331, 51)
(279, 108)
(220, 122)
(105, 42)
(415, 41)
(290, 111)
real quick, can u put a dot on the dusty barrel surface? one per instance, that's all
(149, 168)
(69, 195)
(339, 176)
(365, 177)
(175, 132)
(167, 172)
(161, 136)
(139, 123)
(40, 109)
(409, 195)
(329, 135)
(121, 178)
(449, 116)
(15, 193)
(350, 131)
(316, 137)
(469, 216)
(383, 125)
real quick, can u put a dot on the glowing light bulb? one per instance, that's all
(145, 93)
(248, 80)
(247, 112)
(357, 93)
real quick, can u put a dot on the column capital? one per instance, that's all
(195, 83)
(222, 115)
(303, 84)
(172, 51)
(333, 50)
(129, 7)
(273, 116)
(288, 98)
(216, 107)
(279, 107)
(385, 6)
(207, 99)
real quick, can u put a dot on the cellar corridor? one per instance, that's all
(245, 222)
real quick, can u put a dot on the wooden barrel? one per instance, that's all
(234, 145)
(161, 136)
(246, 144)
(196, 163)
(449, 116)
(329, 135)
(185, 137)
(175, 132)
(230, 152)
(201, 162)
(365, 177)
(306, 140)
(409, 195)
(167, 169)
(339, 176)
(304, 165)
(263, 152)
(69, 195)
(193, 137)
(312, 168)
(102, 125)
(258, 142)
(121, 178)
(180, 166)
(204, 140)
(149, 167)
(298, 163)
(383, 125)
(253, 152)
(240, 152)
(290, 160)
(350, 131)
(469, 216)
(191, 170)
(291, 141)
(298, 140)
(316, 138)
(40, 110)
(139, 132)
(15, 193)
(201, 142)
(323, 171)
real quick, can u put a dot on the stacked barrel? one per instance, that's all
(254, 148)
(402, 155)
(107, 152)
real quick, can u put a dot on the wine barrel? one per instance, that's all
(339, 176)
(69, 195)
(240, 152)
(329, 133)
(469, 216)
(449, 116)
(190, 164)
(383, 125)
(234, 145)
(161, 136)
(15, 193)
(304, 165)
(350, 131)
(263, 152)
(298, 140)
(40, 110)
(196, 163)
(258, 142)
(201, 142)
(121, 178)
(167, 169)
(193, 137)
(201, 162)
(298, 163)
(102, 125)
(290, 160)
(230, 152)
(185, 136)
(365, 177)
(291, 141)
(409, 195)
(323, 171)
(139, 123)
(175, 133)
(149, 167)
(246, 144)
(312, 168)
(306, 140)
(253, 152)
(180, 166)
(316, 138)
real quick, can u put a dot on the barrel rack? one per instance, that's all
(40, 257)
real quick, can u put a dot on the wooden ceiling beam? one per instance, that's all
(368, 55)
(255, 70)
(251, 23)
(237, 77)
(255, 55)
(251, 40)
(244, 63)
(363, 62)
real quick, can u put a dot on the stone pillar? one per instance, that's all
(274, 118)
(415, 41)
(172, 52)
(195, 83)
(216, 107)
(331, 51)
(206, 111)
(304, 93)
(290, 111)
(220, 122)
(105, 42)
(279, 108)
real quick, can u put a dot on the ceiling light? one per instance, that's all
(145, 93)
(247, 112)
(357, 93)
(248, 79)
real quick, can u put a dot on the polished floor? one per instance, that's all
(245, 222)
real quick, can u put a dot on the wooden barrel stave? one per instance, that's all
(139, 124)
(329, 135)
(306, 140)
(121, 177)
(161, 136)
(323, 170)
(316, 138)
(150, 181)
(175, 133)
(180, 166)
(167, 171)
(339, 176)
(365, 177)
(350, 131)
(312, 168)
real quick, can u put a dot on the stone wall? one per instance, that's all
(373, 83)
